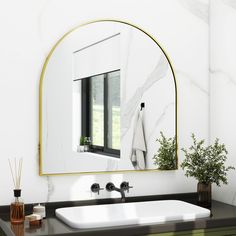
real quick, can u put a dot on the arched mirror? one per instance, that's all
(107, 95)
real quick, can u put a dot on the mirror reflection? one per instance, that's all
(107, 99)
(97, 108)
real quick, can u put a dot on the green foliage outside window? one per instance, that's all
(81, 140)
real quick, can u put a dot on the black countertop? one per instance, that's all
(222, 215)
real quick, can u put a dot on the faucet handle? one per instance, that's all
(110, 187)
(125, 186)
(95, 188)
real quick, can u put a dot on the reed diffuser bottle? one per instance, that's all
(17, 211)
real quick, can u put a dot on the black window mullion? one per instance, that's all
(105, 112)
(89, 104)
(85, 108)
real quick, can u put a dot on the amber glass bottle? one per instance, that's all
(17, 211)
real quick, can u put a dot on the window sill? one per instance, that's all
(98, 154)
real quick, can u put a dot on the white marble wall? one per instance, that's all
(28, 31)
(223, 86)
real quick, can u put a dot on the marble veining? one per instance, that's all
(130, 107)
(230, 3)
(50, 188)
(159, 119)
(223, 81)
(224, 74)
(192, 81)
(197, 8)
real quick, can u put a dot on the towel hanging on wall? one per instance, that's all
(139, 144)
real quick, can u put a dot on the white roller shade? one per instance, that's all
(97, 58)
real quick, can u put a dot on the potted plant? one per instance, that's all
(207, 165)
(81, 143)
(165, 158)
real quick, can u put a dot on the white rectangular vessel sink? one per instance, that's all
(135, 213)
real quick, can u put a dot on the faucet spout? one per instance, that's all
(122, 192)
(111, 187)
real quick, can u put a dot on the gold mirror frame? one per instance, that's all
(41, 92)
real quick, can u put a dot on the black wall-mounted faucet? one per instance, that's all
(111, 187)
(95, 188)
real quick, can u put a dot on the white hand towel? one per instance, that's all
(139, 144)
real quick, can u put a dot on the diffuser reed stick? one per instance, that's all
(16, 172)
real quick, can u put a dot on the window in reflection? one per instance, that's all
(97, 109)
(113, 103)
(100, 109)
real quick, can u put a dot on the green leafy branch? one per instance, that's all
(165, 158)
(206, 164)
